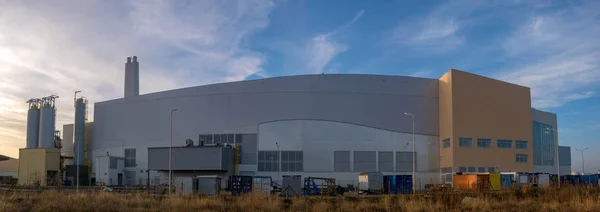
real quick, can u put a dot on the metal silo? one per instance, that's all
(47, 122)
(33, 123)
(80, 107)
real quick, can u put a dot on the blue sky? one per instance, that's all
(56, 47)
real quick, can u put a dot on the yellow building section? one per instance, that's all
(39, 167)
(236, 159)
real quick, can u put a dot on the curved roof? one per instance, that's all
(327, 83)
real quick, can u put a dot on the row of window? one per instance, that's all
(220, 138)
(486, 143)
(291, 161)
(476, 169)
(363, 161)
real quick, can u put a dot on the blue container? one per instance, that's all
(506, 180)
(576, 179)
(404, 183)
(591, 179)
(390, 186)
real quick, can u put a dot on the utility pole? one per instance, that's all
(582, 164)
(170, 149)
(413, 153)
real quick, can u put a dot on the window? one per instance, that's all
(481, 169)
(465, 142)
(216, 139)
(521, 144)
(206, 138)
(365, 161)
(249, 151)
(484, 143)
(471, 169)
(386, 161)
(507, 144)
(130, 158)
(462, 169)
(521, 158)
(230, 138)
(291, 161)
(447, 170)
(238, 138)
(404, 161)
(341, 161)
(113, 163)
(446, 143)
(268, 161)
(491, 169)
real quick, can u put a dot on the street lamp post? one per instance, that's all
(413, 146)
(557, 156)
(170, 148)
(278, 167)
(78, 153)
(582, 164)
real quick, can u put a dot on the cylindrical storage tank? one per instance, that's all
(47, 124)
(79, 131)
(33, 127)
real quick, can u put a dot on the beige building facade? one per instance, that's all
(485, 124)
(39, 166)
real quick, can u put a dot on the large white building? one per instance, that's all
(312, 125)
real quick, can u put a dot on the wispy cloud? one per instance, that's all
(557, 55)
(60, 46)
(322, 48)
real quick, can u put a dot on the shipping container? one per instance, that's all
(591, 179)
(404, 184)
(483, 182)
(291, 186)
(184, 185)
(239, 184)
(543, 180)
(465, 182)
(389, 184)
(553, 179)
(370, 182)
(508, 179)
(495, 181)
(262, 185)
(209, 185)
(523, 179)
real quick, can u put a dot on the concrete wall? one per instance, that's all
(490, 109)
(107, 175)
(367, 100)
(318, 140)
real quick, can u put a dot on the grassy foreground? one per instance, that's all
(566, 199)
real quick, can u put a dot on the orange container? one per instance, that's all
(465, 182)
(483, 182)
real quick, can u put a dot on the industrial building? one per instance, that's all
(329, 125)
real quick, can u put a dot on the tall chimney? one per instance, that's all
(132, 79)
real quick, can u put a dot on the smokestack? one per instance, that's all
(132, 77)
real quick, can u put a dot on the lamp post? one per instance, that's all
(170, 148)
(582, 164)
(413, 146)
(278, 167)
(557, 157)
(78, 153)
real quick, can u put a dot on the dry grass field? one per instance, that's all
(566, 199)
